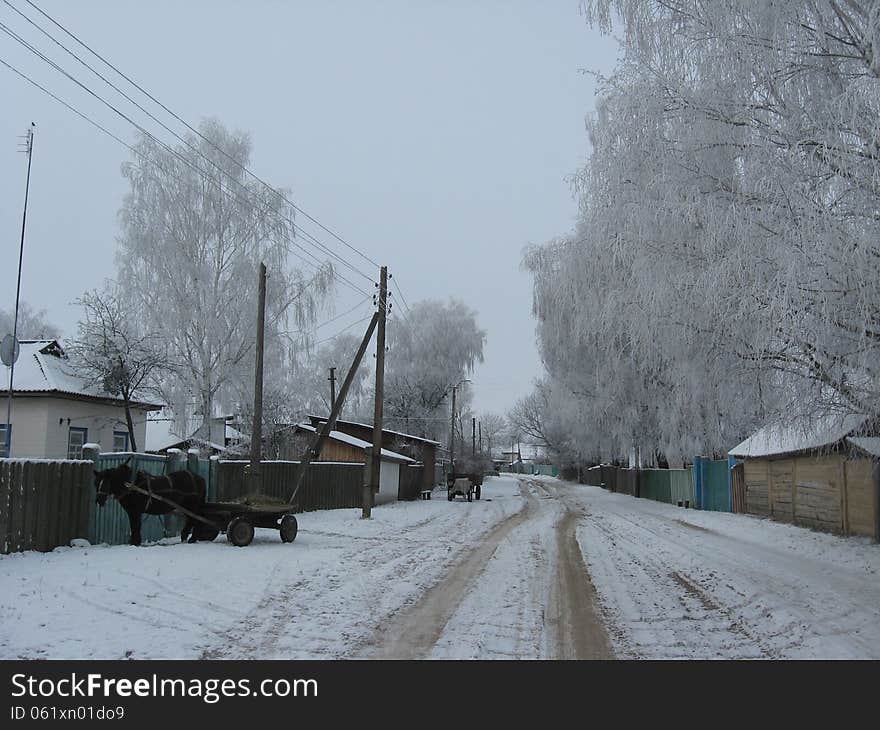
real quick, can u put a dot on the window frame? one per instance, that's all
(85, 439)
(5, 440)
(124, 435)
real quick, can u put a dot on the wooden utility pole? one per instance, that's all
(480, 431)
(332, 380)
(254, 483)
(473, 436)
(321, 434)
(452, 434)
(380, 395)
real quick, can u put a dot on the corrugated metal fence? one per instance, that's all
(43, 504)
(706, 485)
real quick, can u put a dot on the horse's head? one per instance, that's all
(111, 482)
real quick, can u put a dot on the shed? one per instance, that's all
(817, 473)
(292, 441)
(419, 448)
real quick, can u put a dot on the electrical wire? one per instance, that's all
(289, 221)
(196, 132)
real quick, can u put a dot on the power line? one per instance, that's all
(343, 330)
(196, 132)
(308, 236)
(136, 152)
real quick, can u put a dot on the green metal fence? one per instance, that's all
(681, 487)
(655, 484)
(109, 524)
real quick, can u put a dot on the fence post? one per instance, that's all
(698, 482)
(175, 460)
(192, 460)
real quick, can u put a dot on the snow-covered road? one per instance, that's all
(537, 569)
(678, 583)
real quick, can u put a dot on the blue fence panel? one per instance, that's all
(109, 524)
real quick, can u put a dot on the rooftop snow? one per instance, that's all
(801, 435)
(322, 419)
(42, 367)
(359, 443)
(868, 444)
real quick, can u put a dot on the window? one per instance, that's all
(76, 439)
(120, 440)
(5, 439)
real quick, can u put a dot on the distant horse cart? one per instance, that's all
(465, 485)
(184, 493)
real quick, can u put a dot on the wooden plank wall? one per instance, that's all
(818, 493)
(756, 473)
(781, 492)
(860, 496)
(826, 492)
(43, 504)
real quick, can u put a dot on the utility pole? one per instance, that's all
(332, 380)
(29, 151)
(480, 427)
(380, 395)
(452, 434)
(314, 450)
(473, 436)
(257, 430)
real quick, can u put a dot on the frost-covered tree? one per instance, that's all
(725, 267)
(112, 353)
(195, 228)
(493, 426)
(430, 350)
(32, 323)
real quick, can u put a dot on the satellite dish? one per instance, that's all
(9, 350)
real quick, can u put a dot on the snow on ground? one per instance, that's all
(681, 583)
(325, 595)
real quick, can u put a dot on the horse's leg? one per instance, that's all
(134, 521)
(187, 531)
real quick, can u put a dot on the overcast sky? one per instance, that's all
(437, 137)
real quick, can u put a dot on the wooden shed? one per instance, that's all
(822, 474)
(423, 450)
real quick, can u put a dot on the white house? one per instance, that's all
(54, 412)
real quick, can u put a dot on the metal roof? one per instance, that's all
(43, 369)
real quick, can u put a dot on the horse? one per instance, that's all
(181, 487)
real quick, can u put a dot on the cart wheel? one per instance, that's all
(240, 532)
(288, 528)
(479, 489)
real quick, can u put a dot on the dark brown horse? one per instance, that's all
(181, 487)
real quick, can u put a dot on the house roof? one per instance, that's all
(360, 444)
(868, 444)
(800, 435)
(323, 419)
(43, 369)
(160, 435)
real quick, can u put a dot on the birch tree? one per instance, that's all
(194, 231)
(433, 348)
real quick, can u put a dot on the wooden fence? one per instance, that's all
(43, 504)
(333, 485)
(411, 478)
